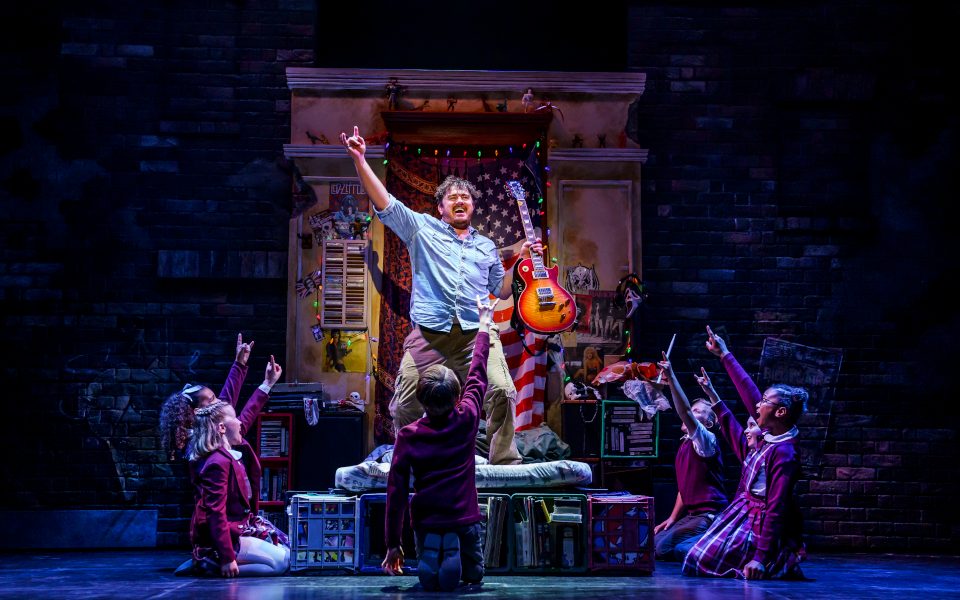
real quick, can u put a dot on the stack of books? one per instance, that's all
(494, 514)
(274, 439)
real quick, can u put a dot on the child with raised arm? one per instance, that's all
(177, 419)
(699, 475)
(226, 532)
(758, 535)
(438, 449)
(176, 413)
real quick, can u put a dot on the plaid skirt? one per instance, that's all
(729, 544)
(255, 526)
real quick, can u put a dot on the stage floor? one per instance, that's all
(148, 574)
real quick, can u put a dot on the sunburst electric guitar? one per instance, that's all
(540, 302)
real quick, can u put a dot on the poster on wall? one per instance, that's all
(599, 332)
(344, 351)
(602, 323)
(815, 369)
(350, 206)
(584, 310)
(322, 225)
(581, 279)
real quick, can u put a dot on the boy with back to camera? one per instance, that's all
(439, 450)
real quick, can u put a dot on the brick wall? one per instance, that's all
(799, 162)
(145, 223)
(797, 187)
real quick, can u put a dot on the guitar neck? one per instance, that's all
(531, 236)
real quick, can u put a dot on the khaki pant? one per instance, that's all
(424, 348)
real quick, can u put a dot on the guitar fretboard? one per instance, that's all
(516, 190)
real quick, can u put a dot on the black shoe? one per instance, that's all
(185, 569)
(198, 568)
(448, 575)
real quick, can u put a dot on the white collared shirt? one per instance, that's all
(776, 439)
(704, 441)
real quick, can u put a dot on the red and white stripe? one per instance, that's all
(529, 372)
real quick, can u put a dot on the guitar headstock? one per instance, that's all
(515, 189)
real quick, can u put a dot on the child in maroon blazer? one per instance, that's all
(699, 470)
(439, 450)
(176, 413)
(225, 529)
(759, 535)
(176, 424)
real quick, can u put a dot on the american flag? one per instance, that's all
(529, 372)
(497, 216)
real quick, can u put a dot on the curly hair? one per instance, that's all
(454, 182)
(176, 419)
(794, 399)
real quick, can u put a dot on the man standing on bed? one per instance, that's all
(452, 264)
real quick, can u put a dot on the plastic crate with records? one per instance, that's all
(323, 531)
(549, 532)
(372, 548)
(495, 534)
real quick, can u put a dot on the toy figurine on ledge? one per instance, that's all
(353, 401)
(393, 90)
(527, 100)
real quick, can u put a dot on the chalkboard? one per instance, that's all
(815, 369)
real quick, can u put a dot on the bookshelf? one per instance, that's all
(343, 299)
(627, 432)
(274, 440)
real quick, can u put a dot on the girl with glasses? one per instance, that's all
(759, 535)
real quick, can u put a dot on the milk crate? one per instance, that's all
(323, 532)
(621, 533)
(372, 545)
(549, 533)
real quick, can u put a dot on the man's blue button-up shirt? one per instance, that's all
(448, 272)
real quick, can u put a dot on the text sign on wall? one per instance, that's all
(815, 369)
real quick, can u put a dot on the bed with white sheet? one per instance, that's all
(372, 475)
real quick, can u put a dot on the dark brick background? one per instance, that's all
(802, 159)
(799, 185)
